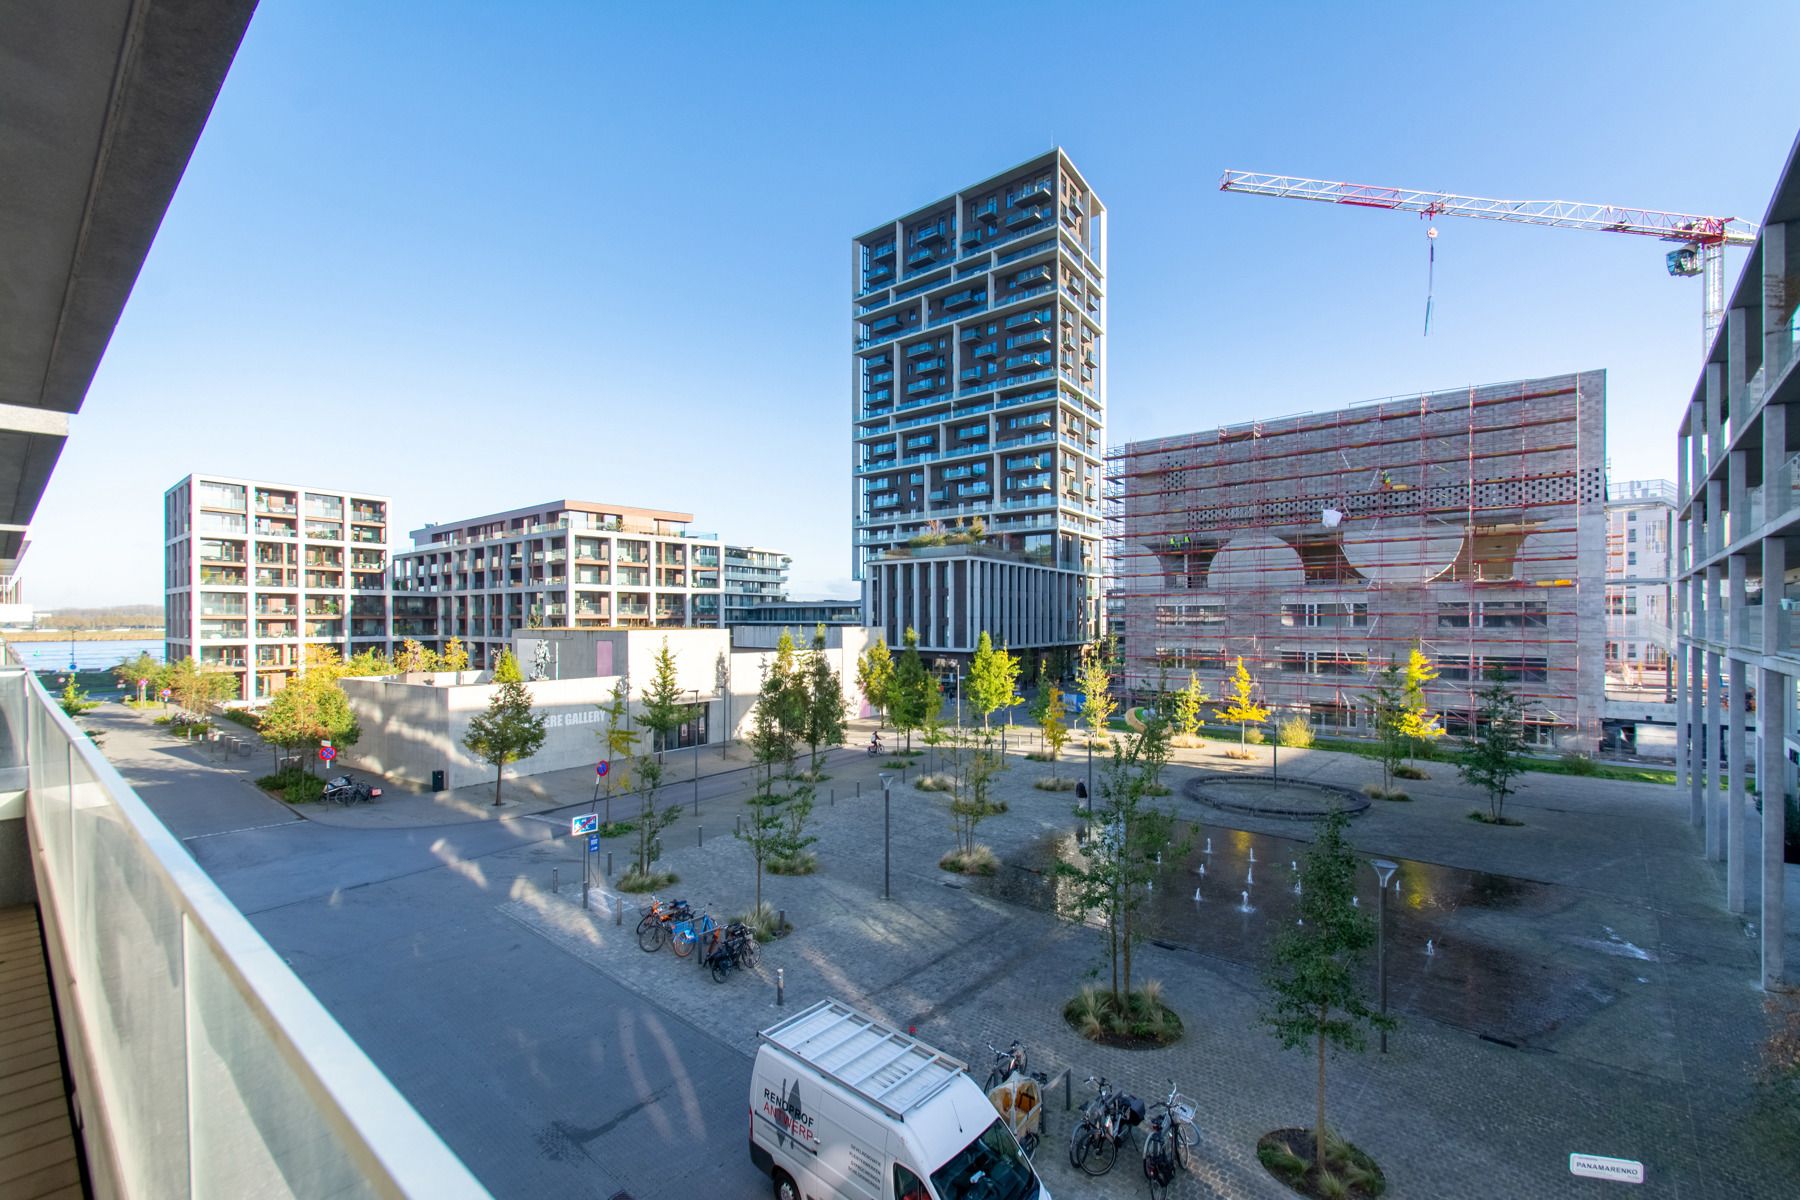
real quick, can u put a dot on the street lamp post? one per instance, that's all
(886, 826)
(695, 720)
(1384, 871)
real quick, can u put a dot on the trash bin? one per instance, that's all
(437, 781)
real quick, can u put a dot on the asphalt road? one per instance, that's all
(544, 1075)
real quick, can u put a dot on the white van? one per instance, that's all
(844, 1108)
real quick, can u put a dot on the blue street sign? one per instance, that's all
(601, 768)
(586, 823)
(593, 842)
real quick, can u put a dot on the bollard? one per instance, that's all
(780, 987)
(834, 797)
(699, 835)
(584, 894)
(859, 789)
(609, 864)
(780, 921)
(619, 910)
(1068, 1088)
(739, 826)
(555, 883)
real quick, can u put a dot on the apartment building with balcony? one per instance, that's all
(1737, 573)
(1640, 629)
(978, 412)
(559, 564)
(753, 577)
(254, 572)
(1321, 548)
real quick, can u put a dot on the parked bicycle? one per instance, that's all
(1006, 1062)
(1169, 1145)
(685, 934)
(347, 791)
(658, 916)
(736, 950)
(1107, 1122)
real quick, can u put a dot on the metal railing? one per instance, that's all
(203, 1065)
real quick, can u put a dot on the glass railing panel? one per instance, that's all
(126, 955)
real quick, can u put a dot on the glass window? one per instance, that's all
(908, 1186)
(988, 1168)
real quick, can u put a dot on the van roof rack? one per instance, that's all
(894, 1071)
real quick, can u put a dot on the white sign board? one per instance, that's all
(586, 823)
(1619, 1170)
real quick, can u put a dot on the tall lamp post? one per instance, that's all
(695, 720)
(886, 858)
(1384, 871)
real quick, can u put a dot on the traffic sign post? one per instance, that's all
(593, 842)
(600, 770)
(585, 823)
(327, 752)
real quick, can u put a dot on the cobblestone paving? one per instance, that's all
(1660, 1074)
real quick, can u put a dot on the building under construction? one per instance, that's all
(1322, 547)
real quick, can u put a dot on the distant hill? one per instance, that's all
(118, 616)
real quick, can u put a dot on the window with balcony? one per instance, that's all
(222, 495)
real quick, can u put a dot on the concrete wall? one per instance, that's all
(411, 728)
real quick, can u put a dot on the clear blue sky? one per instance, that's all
(476, 256)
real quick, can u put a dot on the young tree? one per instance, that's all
(651, 823)
(196, 689)
(1121, 855)
(1316, 968)
(993, 679)
(1493, 756)
(368, 662)
(321, 660)
(1243, 708)
(1417, 723)
(130, 670)
(1053, 719)
(661, 708)
(455, 656)
(621, 742)
(875, 675)
(771, 743)
(73, 701)
(1387, 717)
(307, 713)
(971, 796)
(913, 697)
(1097, 703)
(821, 697)
(412, 657)
(1187, 708)
(508, 730)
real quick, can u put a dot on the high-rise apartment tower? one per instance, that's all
(978, 407)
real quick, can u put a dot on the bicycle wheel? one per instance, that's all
(746, 954)
(1080, 1138)
(721, 967)
(647, 922)
(994, 1080)
(1029, 1144)
(650, 937)
(681, 941)
(1102, 1153)
(1183, 1143)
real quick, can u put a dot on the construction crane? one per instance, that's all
(1703, 239)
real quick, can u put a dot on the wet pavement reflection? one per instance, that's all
(1512, 960)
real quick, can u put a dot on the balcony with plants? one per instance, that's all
(222, 576)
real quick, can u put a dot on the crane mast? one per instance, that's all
(1703, 238)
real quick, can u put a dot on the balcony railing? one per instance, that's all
(204, 1065)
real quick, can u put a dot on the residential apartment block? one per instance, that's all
(1737, 583)
(559, 564)
(1640, 631)
(1320, 548)
(753, 577)
(978, 408)
(254, 571)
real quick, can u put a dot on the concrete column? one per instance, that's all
(1734, 794)
(1776, 339)
(1697, 734)
(1737, 500)
(1715, 730)
(1772, 776)
(1684, 740)
(1714, 383)
(1696, 449)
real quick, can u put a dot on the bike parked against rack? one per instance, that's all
(1006, 1062)
(658, 916)
(347, 791)
(685, 934)
(1106, 1123)
(736, 950)
(1168, 1149)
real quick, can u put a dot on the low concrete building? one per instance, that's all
(413, 726)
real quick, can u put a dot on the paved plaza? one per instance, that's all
(1585, 989)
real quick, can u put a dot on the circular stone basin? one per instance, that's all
(1260, 796)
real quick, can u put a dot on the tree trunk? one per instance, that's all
(499, 770)
(759, 860)
(1319, 1130)
(1125, 939)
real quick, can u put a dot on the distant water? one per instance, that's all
(89, 656)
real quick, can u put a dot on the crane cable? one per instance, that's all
(1430, 272)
